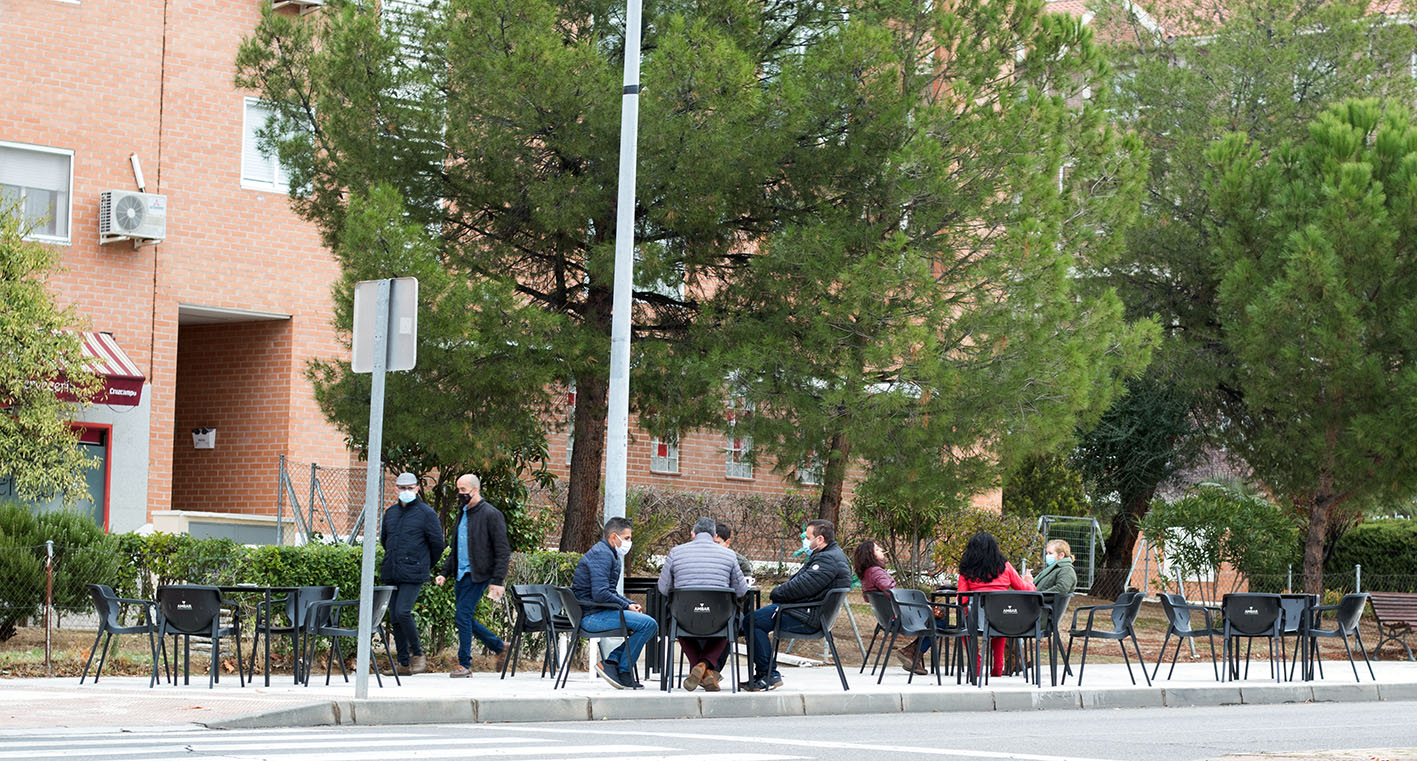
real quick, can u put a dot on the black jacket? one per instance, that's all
(488, 548)
(413, 542)
(822, 571)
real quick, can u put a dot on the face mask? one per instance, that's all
(463, 499)
(624, 547)
(407, 496)
(806, 544)
(1050, 558)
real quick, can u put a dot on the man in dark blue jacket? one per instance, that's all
(413, 543)
(824, 569)
(594, 585)
(477, 565)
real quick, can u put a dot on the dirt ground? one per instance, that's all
(23, 656)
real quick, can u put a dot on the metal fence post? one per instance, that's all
(280, 502)
(48, 604)
(1289, 578)
(1357, 577)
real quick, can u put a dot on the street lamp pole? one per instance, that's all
(617, 435)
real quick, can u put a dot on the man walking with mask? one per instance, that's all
(478, 565)
(413, 542)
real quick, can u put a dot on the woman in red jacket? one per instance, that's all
(983, 568)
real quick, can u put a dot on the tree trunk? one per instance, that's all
(1111, 577)
(1319, 508)
(833, 476)
(580, 528)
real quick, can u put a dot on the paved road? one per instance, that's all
(1170, 734)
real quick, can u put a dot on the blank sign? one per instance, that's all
(402, 324)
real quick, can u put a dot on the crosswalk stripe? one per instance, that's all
(174, 737)
(417, 750)
(215, 745)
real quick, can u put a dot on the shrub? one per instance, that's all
(1214, 525)
(1387, 550)
(83, 555)
(1044, 485)
(1018, 536)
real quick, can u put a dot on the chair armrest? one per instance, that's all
(1322, 608)
(135, 601)
(799, 605)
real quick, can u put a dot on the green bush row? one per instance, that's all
(1387, 550)
(135, 566)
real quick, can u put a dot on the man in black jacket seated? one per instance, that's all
(824, 569)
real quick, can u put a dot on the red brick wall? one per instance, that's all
(231, 378)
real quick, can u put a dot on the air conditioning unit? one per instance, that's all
(128, 215)
(304, 6)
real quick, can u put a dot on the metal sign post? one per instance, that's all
(376, 350)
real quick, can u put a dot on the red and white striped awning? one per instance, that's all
(122, 381)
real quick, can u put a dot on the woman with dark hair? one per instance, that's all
(869, 562)
(983, 568)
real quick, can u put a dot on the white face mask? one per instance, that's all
(624, 547)
(407, 496)
(806, 544)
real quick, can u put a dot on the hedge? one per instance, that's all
(1387, 550)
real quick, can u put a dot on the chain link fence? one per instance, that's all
(324, 502)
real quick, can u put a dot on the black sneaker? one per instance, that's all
(611, 675)
(757, 685)
(627, 678)
(774, 681)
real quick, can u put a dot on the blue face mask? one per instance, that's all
(407, 496)
(1050, 558)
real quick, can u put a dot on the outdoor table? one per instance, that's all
(268, 594)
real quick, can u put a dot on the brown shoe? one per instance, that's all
(919, 665)
(461, 672)
(906, 656)
(696, 675)
(418, 664)
(710, 680)
(500, 662)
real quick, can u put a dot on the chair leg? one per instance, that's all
(866, 658)
(1127, 660)
(93, 649)
(515, 646)
(1082, 665)
(831, 644)
(1357, 634)
(103, 657)
(1160, 657)
(1140, 662)
(1349, 650)
(887, 648)
(1174, 655)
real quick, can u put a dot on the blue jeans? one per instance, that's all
(762, 631)
(642, 629)
(468, 594)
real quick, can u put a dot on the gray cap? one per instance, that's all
(406, 479)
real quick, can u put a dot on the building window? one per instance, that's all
(35, 181)
(259, 170)
(738, 464)
(664, 456)
(570, 423)
(809, 473)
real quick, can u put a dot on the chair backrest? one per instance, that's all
(531, 601)
(570, 605)
(1293, 608)
(702, 611)
(105, 603)
(1126, 613)
(189, 609)
(1013, 614)
(1251, 614)
(380, 603)
(911, 618)
(1178, 617)
(298, 601)
(1350, 610)
(881, 606)
(831, 607)
(1058, 610)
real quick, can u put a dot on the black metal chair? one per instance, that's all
(1016, 615)
(189, 611)
(1055, 610)
(575, 613)
(884, 612)
(700, 612)
(1178, 624)
(821, 614)
(538, 612)
(109, 608)
(1123, 613)
(322, 619)
(1294, 622)
(914, 618)
(1252, 616)
(1347, 613)
(295, 605)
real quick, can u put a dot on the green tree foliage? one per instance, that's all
(1387, 550)
(83, 555)
(1214, 526)
(497, 125)
(1318, 296)
(1146, 436)
(1188, 74)
(1044, 485)
(1018, 537)
(41, 354)
(920, 316)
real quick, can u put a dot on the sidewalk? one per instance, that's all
(434, 698)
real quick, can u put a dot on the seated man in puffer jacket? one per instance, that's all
(824, 569)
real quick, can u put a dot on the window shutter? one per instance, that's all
(34, 169)
(255, 166)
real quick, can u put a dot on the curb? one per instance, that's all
(725, 705)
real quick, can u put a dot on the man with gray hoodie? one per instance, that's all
(701, 562)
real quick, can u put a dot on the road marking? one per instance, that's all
(268, 744)
(199, 736)
(924, 751)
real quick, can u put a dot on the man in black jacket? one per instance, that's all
(413, 542)
(824, 569)
(477, 564)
